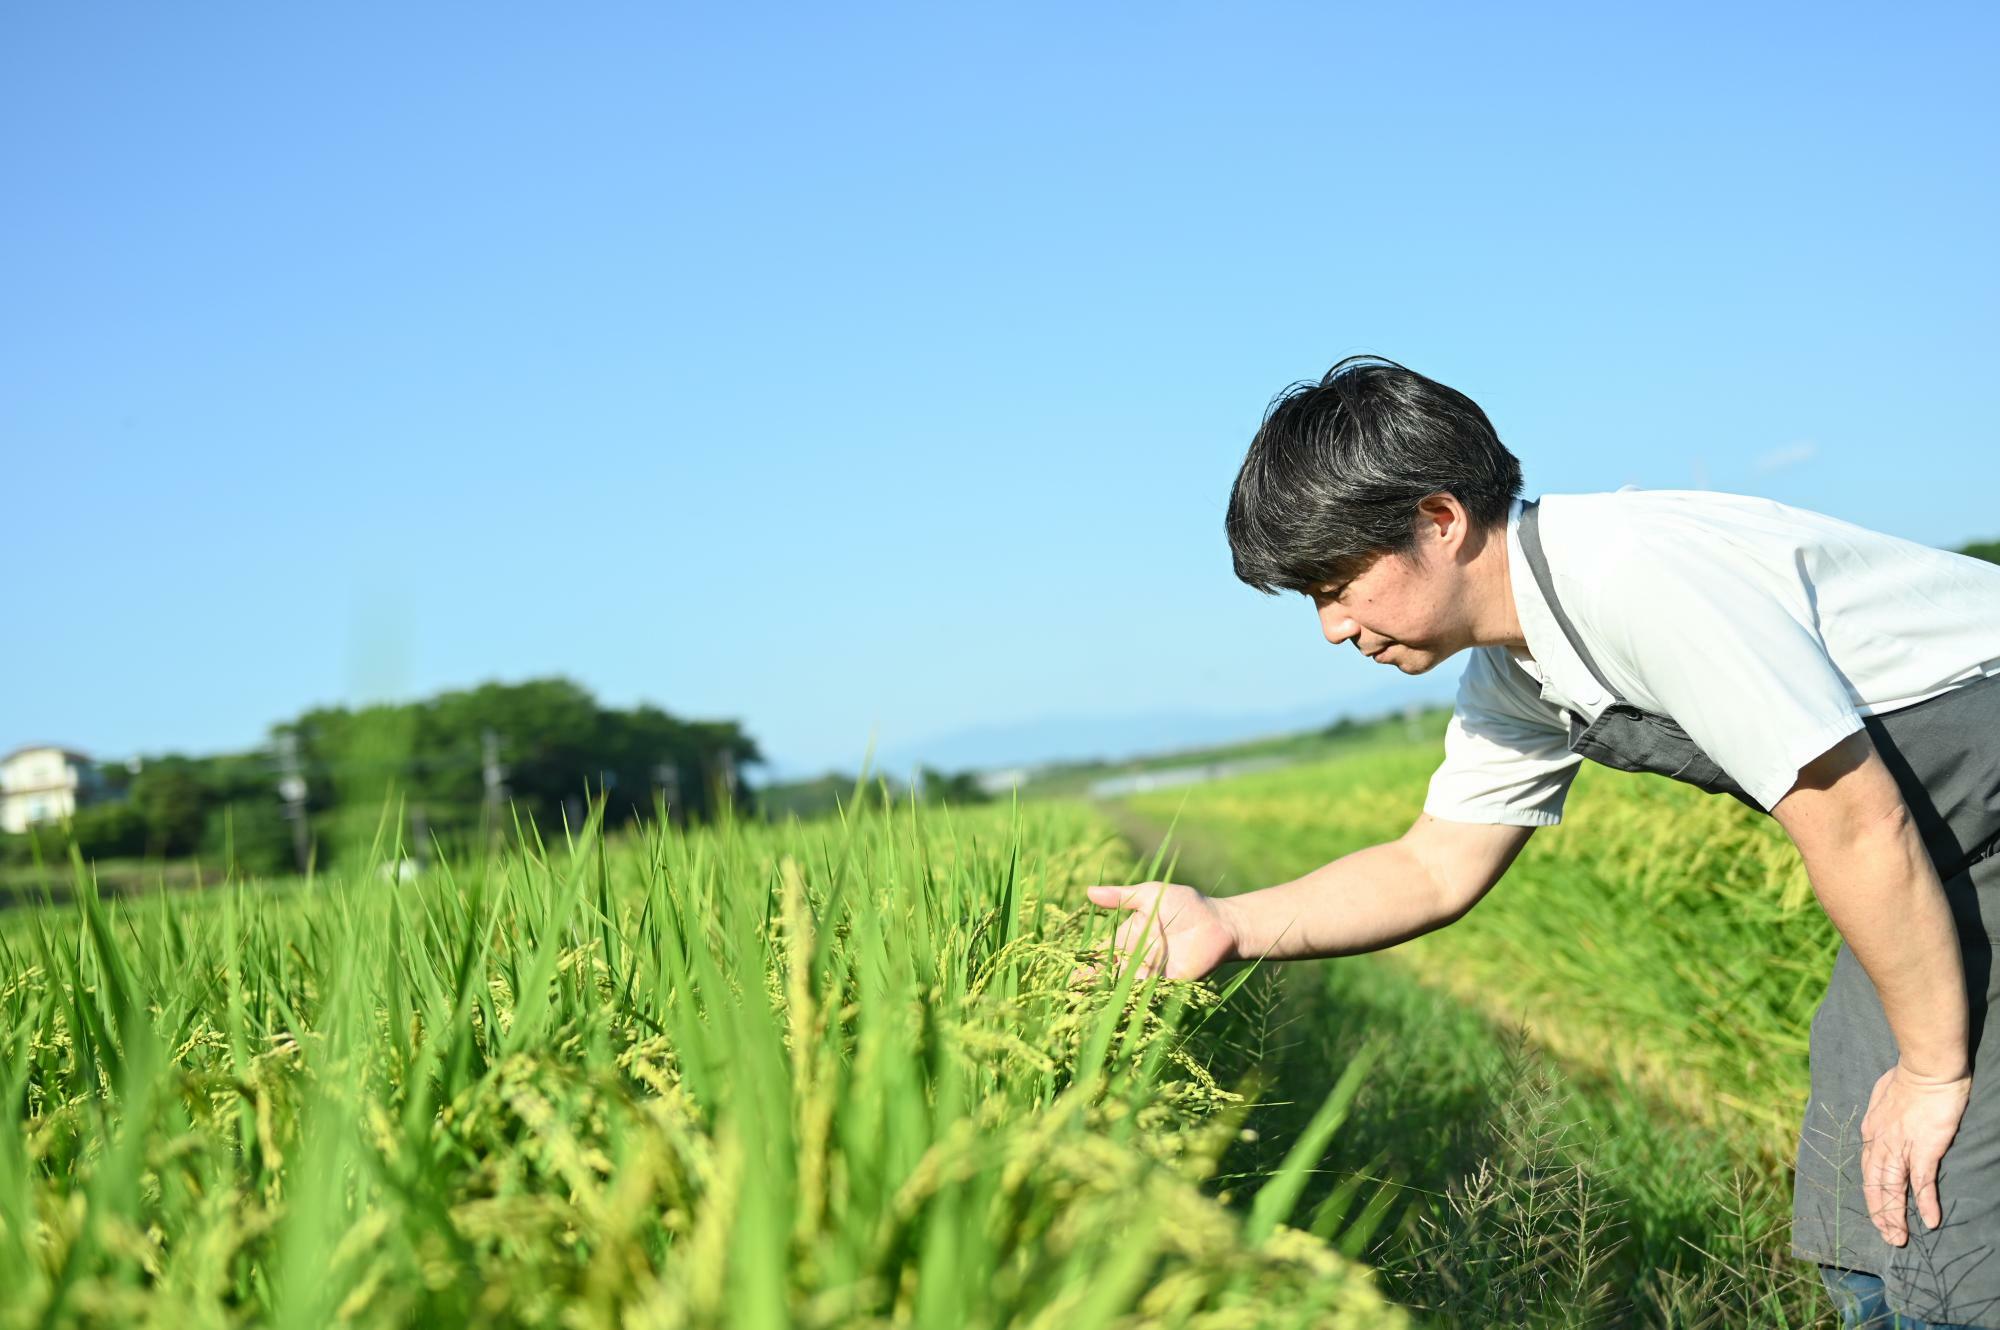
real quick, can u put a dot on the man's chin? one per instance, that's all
(1421, 660)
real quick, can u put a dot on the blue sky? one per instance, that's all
(863, 369)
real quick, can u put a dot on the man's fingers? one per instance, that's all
(1142, 897)
(1123, 949)
(1885, 1182)
(1904, 1137)
(1126, 940)
(1147, 920)
(1923, 1181)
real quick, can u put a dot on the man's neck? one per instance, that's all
(1500, 622)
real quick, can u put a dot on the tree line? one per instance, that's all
(458, 762)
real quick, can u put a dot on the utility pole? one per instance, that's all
(725, 763)
(667, 776)
(292, 789)
(494, 776)
(420, 836)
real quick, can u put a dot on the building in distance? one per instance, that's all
(44, 783)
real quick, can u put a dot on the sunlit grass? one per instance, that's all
(1677, 929)
(812, 1075)
(1665, 951)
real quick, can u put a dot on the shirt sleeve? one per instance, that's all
(1729, 649)
(1506, 752)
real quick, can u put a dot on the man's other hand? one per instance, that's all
(1910, 1121)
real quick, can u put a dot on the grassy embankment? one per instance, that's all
(812, 1075)
(1612, 1043)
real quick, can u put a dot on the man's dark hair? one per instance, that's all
(1336, 470)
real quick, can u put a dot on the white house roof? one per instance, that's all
(25, 749)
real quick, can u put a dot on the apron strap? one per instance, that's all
(1531, 545)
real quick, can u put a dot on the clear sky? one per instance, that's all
(853, 368)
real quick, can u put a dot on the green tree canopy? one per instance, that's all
(551, 742)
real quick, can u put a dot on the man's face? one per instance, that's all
(1397, 611)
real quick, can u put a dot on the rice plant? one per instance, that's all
(815, 1075)
(1640, 985)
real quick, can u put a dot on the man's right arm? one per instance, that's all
(1506, 756)
(1377, 896)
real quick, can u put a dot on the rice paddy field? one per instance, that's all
(1612, 1042)
(833, 1073)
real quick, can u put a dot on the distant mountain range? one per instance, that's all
(1118, 736)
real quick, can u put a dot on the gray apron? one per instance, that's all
(1945, 755)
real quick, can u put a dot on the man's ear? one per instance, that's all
(1446, 517)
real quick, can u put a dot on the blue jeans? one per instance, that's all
(1859, 1297)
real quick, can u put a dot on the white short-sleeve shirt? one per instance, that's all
(1765, 631)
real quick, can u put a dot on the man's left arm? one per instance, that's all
(1869, 868)
(1730, 649)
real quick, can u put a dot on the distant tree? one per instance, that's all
(550, 742)
(249, 835)
(720, 746)
(960, 787)
(109, 831)
(113, 779)
(170, 796)
(1988, 550)
(238, 777)
(100, 831)
(556, 744)
(822, 796)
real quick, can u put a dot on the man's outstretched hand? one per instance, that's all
(1192, 935)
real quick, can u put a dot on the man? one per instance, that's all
(1843, 681)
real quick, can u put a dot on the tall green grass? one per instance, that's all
(1665, 948)
(811, 1075)
(1676, 929)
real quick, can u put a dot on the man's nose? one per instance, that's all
(1337, 626)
